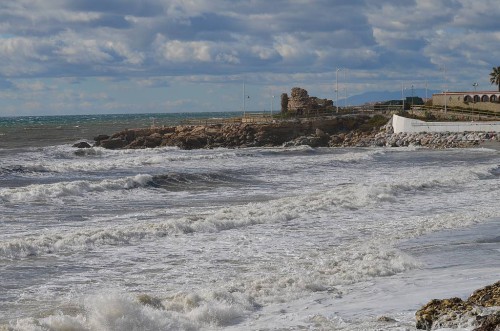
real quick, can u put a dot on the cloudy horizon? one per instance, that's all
(128, 56)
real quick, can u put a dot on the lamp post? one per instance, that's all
(272, 103)
(445, 97)
(245, 97)
(475, 84)
(445, 102)
(337, 87)
(412, 96)
(345, 88)
(403, 96)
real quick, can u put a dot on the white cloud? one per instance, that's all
(263, 52)
(214, 41)
(291, 48)
(22, 56)
(178, 51)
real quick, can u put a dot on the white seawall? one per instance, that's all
(403, 124)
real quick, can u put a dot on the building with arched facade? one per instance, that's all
(481, 100)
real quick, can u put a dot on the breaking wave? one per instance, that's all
(170, 181)
(23, 169)
(44, 192)
(122, 311)
(174, 181)
(282, 210)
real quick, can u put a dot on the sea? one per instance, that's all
(271, 238)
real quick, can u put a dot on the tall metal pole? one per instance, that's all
(345, 88)
(474, 97)
(244, 99)
(403, 96)
(445, 88)
(337, 88)
(412, 95)
(272, 103)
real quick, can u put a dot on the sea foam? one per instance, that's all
(43, 192)
(282, 210)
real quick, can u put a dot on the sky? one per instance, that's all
(147, 56)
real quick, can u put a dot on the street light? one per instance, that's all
(444, 79)
(345, 88)
(475, 84)
(272, 103)
(412, 95)
(403, 96)
(244, 100)
(244, 97)
(337, 87)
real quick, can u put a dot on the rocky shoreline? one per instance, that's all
(346, 131)
(480, 311)
(318, 131)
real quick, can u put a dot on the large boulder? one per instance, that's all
(100, 138)
(450, 313)
(82, 144)
(113, 143)
(488, 296)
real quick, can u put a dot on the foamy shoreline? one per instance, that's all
(428, 140)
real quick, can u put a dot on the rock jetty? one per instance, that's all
(344, 131)
(480, 311)
(318, 132)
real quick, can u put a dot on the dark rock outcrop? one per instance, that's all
(82, 144)
(233, 135)
(481, 311)
(489, 322)
(343, 131)
(100, 138)
(113, 143)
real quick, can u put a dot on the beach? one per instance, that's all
(256, 238)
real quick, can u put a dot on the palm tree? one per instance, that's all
(495, 77)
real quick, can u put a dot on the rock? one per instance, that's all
(82, 144)
(450, 313)
(488, 323)
(488, 296)
(100, 138)
(312, 141)
(193, 143)
(320, 133)
(113, 143)
(150, 301)
(436, 309)
(85, 152)
(386, 319)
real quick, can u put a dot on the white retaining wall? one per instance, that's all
(403, 124)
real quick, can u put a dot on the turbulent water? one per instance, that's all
(241, 239)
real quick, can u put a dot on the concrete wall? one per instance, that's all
(403, 124)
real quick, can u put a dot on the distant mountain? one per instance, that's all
(377, 96)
